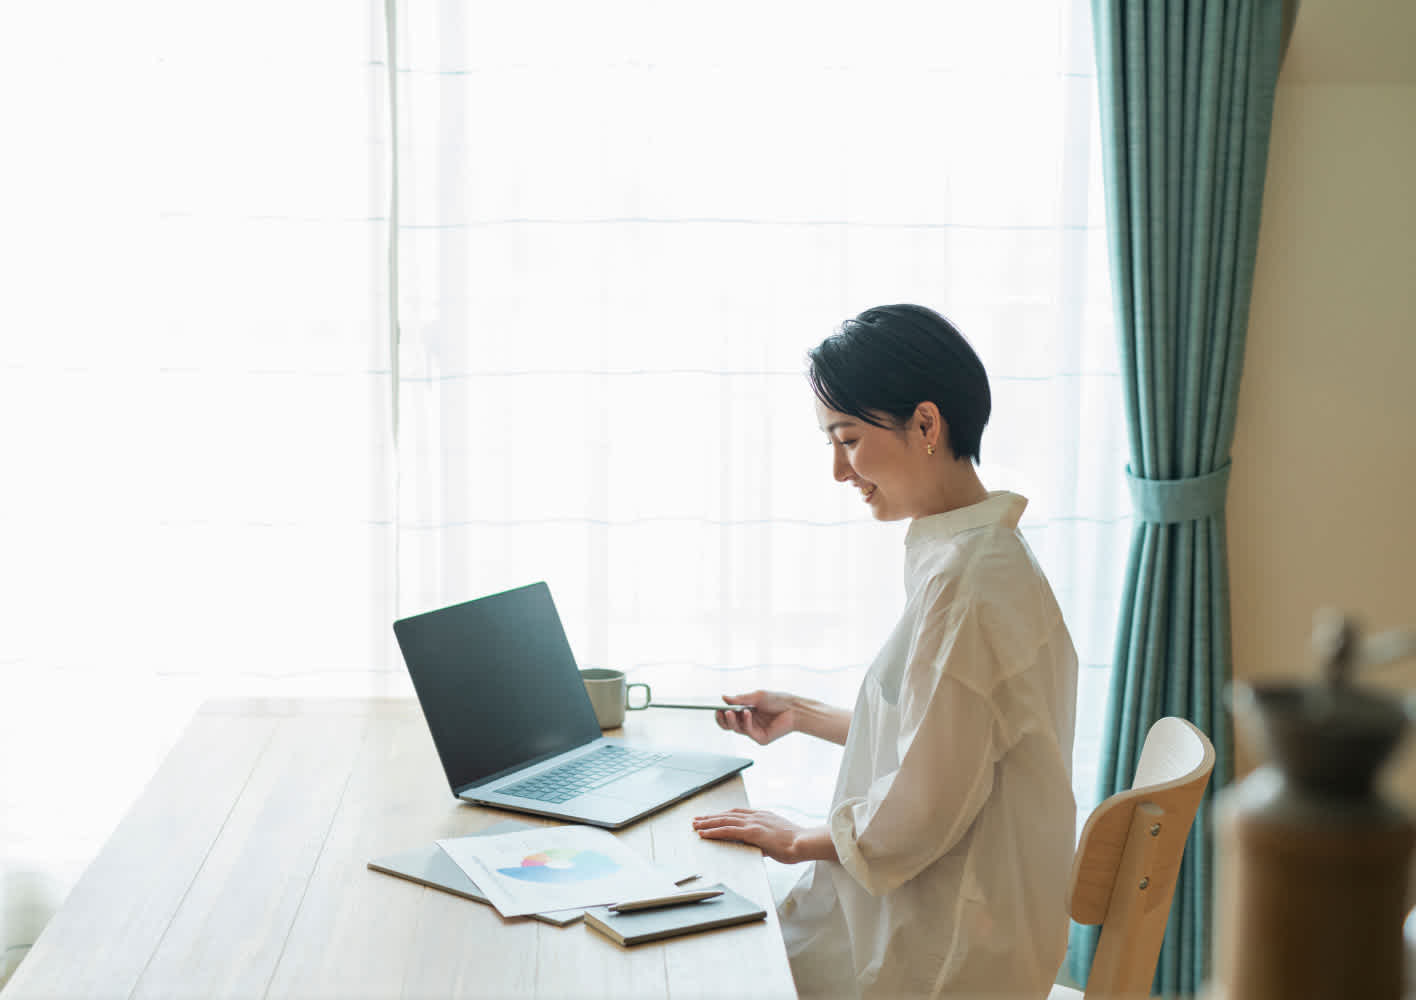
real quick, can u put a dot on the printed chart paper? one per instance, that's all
(555, 868)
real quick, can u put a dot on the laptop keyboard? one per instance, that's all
(576, 777)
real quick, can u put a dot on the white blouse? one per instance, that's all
(953, 813)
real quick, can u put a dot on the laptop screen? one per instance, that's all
(498, 683)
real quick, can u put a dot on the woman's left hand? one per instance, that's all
(776, 837)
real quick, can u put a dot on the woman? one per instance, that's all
(943, 867)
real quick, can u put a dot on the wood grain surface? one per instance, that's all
(240, 872)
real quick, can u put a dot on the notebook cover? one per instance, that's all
(430, 866)
(669, 921)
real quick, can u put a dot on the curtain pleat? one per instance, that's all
(1186, 94)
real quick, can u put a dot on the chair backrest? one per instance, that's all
(1128, 858)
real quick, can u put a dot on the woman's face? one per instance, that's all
(885, 465)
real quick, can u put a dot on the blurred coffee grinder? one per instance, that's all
(1313, 879)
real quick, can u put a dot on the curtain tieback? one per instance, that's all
(1171, 501)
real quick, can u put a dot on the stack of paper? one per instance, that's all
(558, 874)
(431, 866)
(555, 868)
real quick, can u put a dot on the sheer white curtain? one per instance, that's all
(621, 229)
(196, 494)
(620, 226)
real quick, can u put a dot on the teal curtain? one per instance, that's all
(1186, 91)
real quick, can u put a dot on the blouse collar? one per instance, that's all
(999, 507)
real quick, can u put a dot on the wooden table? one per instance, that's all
(240, 872)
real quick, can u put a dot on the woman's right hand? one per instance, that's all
(773, 715)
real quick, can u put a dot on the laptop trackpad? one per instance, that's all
(651, 784)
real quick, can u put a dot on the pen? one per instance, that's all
(676, 899)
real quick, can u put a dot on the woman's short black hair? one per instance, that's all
(890, 359)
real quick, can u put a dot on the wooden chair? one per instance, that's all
(1128, 858)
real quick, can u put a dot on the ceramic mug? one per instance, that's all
(609, 695)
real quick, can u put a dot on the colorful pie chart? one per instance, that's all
(562, 864)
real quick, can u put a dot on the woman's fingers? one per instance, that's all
(733, 821)
(726, 828)
(735, 811)
(741, 722)
(766, 831)
(737, 833)
(730, 720)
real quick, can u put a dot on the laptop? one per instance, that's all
(513, 726)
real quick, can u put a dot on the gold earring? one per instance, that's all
(929, 448)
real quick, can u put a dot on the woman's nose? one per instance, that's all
(840, 468)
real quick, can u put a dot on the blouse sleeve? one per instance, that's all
(947, 748)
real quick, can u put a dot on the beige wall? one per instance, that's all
(1322, 505)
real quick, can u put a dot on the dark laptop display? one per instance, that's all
(498, 684)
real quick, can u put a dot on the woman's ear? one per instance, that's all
(930, 425)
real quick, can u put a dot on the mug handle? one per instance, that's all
(648, 696)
